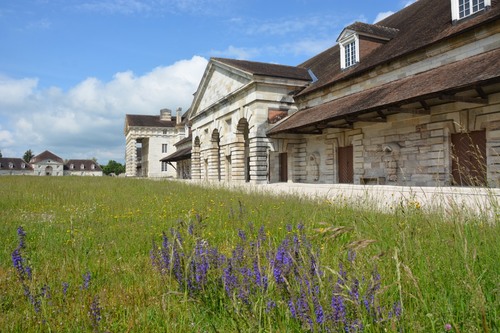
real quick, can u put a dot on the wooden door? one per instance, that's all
(346, 169)
(469, 158)
(283, 158)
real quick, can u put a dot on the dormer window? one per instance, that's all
(349, 51)
(92, 166)
(463, 8)
(82, 166)
(23, 166)
(11, 165)
(359, 40)
(71, 166)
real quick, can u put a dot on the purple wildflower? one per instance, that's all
(338, 307)
(270, 306)
(293, 311)
(95, 313)
(22, 235)
(86, 280)
(447, 327)
(65, 286)
(242, 235)
(351, 256)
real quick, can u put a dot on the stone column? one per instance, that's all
(195, 163)
(299, 162)
(238, 162)
(131, 158)
(213, 161)
(258, 161)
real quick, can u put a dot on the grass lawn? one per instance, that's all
(132, 255)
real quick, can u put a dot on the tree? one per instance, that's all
(28, 155)
(113, 167)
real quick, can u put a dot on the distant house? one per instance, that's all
(82, 168)
(14, 166)
(47, 164)
(148, 140)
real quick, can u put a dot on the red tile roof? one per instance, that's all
(46, 155)
(16, 163)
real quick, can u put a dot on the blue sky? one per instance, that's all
(70, 70)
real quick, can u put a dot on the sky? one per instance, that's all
(71, 70)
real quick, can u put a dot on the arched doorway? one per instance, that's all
(48, 171)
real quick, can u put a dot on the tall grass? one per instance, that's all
(88, 244)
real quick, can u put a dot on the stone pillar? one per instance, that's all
(258, 161)
(213, 164)
(299, 162)
(238, 162)
(195, 163)
(131, 158)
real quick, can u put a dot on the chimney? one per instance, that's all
(165, 115)
(178, 115)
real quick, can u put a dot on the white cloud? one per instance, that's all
(410, 2)
(382, 15)
(87, 121)
(14, 91)
(240, 53)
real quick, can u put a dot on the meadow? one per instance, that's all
(133, 255)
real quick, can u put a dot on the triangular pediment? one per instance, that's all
(218, 83)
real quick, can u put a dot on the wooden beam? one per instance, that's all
(472, 100)
(481, 93)
(425, 105)
(407, 110)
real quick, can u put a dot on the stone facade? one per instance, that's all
(420, 107)
(154, 138)
(230, 116)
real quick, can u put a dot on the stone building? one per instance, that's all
(154, 138)
(411, 100)
(236, 103)
(47, 164)
(82, 168)
(14, 166)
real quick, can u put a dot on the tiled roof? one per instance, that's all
(421, 24)
(373, 29)
(46, 155)
(267, 69)
(87, 165)
(16, 163)
(183, 141)
(137, 120)
(475, 71)
(183, 154)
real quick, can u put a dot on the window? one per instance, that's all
(164, 148)
(350, 54)
(349, 51)
(464, 8)
(82, 166)
(11, 165)
(164, 166)
(92, 166)
(23, 166)
(71, 166)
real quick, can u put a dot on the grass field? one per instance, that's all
(130, 255)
